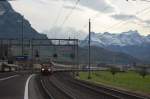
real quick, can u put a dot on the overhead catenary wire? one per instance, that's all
(93, 17)
(70, 13)
(66, 17)
(54, 24)
(140, 0)
(146, 0)
(125, 22)
(58, 15)
(116, 24)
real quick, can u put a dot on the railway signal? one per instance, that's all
(37, 54)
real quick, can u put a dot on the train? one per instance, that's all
(47, 69)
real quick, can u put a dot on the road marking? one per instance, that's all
(26, 93)
(2, 79)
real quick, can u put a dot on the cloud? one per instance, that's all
(72, 7)
(58, 32)
(147, 21)
(98, 5)
(125, 17)
(133, 18)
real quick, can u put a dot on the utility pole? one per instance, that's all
(89, 67)
(77, 57)
(22, 43)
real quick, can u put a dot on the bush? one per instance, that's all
(114, 70)
(143, 71)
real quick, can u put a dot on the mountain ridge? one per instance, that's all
(130, 42)
(10, 28)
(122, 39)
(11, 24)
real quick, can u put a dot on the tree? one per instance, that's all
(55, 55)
(114, 70)
(143, 71)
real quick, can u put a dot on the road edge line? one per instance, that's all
(26, 92)
(6, 78)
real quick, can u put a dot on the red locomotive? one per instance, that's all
(47, 69)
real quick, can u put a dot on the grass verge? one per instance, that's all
(125, 80)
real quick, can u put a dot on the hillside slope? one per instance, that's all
(11, 24)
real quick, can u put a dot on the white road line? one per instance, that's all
(2, 79)
(26, 93)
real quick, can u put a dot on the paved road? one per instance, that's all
(12, 87)
(20, 86)
(24, 85)
(7, 74)
(36, 90)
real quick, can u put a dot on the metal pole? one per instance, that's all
(77, 57)
(89, 67)
(9, 49)
(22, 36)
(2, 49)
(32, 53)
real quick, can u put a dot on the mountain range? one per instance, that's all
(12, 24)
(130, 42)
(129, 38)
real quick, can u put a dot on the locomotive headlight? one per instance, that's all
(49, 69)
(42, 69)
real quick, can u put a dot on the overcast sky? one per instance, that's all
(106, 15)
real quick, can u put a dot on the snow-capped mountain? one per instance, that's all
(131, 43)
(122, 39)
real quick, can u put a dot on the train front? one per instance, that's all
(46, 69)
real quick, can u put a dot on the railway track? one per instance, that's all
(54, 91)
(59, 88)
(63, 86)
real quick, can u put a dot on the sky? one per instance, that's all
(69, 18)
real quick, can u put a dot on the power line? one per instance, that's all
(139, 12)
(71, 11)
(124, 22)
(94, 17)
(57, 18)
(145, 0)
(58, 15)
(140, 0)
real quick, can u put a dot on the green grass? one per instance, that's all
(127, 80)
